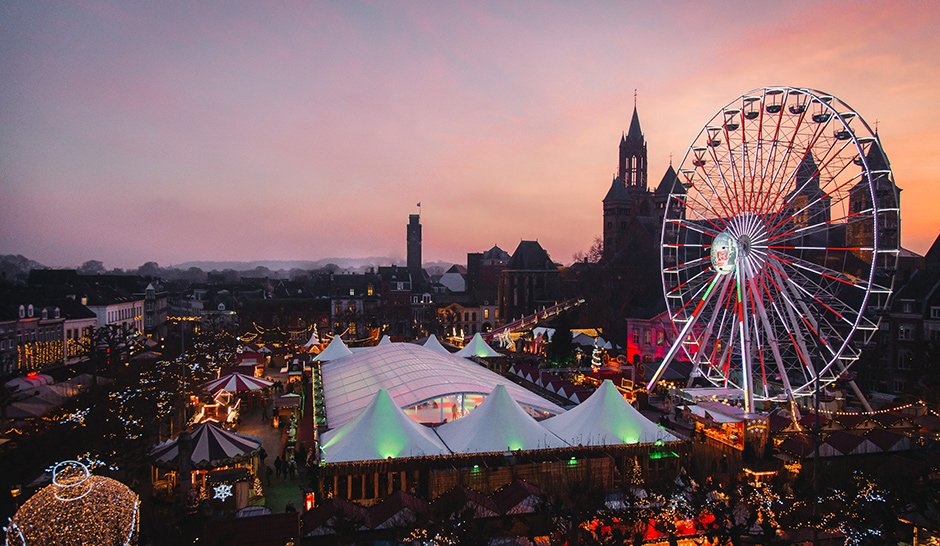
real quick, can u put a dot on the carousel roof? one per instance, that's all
(434, 344)
(210, 445)
(498, 424)
(381, 431)
(411, 374)
(336, 349)
(477, 347)
(605, 418)
(314, 339)
(236, 382)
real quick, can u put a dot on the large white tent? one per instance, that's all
(434, 344)
(477, 347)
(335, 350)
(381, 431)
(605, 418)
(412, 375)
(385, 340)
(498, 424)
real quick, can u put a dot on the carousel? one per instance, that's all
(222, 400)
(212, 464)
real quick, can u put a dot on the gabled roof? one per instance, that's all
(478, 348)
(530, 256)
(380, 431)
(435, 345)
(498, 424)
(496, 253)
(463, 500)
(606, 419)
(335, 350)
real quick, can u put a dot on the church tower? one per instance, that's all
(628, 197)
(632, 169)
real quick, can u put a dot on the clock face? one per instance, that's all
(724, 253)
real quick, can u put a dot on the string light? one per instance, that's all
(77, 508)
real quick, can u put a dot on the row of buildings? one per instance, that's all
(52, 320)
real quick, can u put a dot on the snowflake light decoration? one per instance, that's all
(222, 492)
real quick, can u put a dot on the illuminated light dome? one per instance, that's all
(381, 431)
(605, 418)
(499, 424)
(478, 348)
(412, 375)
(78, 508)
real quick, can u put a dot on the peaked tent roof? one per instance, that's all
(385, 340)
(336, 349)
(478, 347)
(381, 431)
(236, 382)
(498, 424)
(605, 418)
(435, 345)
(314, 339)
(411, 374)
(210, 444)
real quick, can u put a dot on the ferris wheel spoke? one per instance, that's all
(706, 334)
(824, 194)
(693, 227)
(819, 227)
(794, 328)
(818, 269)
(782, 166)
(703, 174)
(771, 337)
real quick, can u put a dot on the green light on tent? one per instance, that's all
(572, 461)
(663, 454)
(658, 443)
(476, 468)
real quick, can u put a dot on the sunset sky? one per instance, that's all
(165, 131)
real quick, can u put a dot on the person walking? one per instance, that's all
(292, 468)
(262, 454)
(278, 466)
(267, 473)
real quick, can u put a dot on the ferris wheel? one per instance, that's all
(779, 244)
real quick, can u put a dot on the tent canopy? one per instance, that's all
(314, 339)
(605, 418)
(412, 375)
(335, 350)
(477, 347)
(434, 344)
(236, 382)
(381, 431)
(385, 340)
(211, 446)
(498, 424)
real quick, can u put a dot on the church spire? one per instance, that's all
(635, 133)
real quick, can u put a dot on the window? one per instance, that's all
(907, 307)
(935, 312)
(636, 336)
(904, 360)
(647, 337)
(486, 313)
(660, 337)
(906, 332)
(370, 290)
(352, 291)
(474, 316)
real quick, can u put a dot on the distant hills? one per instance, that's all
(344, 264)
